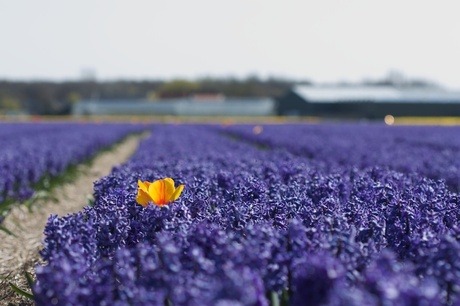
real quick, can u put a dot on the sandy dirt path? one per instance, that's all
(20, 252)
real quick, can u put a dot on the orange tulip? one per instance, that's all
(160, 192)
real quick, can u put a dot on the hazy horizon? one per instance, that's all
(320, 41)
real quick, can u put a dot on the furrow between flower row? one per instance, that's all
(31, 152)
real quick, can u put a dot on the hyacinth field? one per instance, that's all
(349, 214)
(30, 153)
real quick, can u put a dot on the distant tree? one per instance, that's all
(73, 97)
(8, 103)
(178, 88)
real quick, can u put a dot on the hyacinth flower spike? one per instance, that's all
(160, 192)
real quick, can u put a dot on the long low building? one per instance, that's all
(178, 107)
(370, 102)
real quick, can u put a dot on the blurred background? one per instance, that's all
(326, 58)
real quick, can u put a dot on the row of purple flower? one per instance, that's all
(253, 224)
(433, 151)
(31, 151)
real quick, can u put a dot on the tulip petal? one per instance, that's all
(143, 197)
(143, 185)
(177, 193)
(160, 191)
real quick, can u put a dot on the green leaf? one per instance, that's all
(274, 299)
(30, 279)
(90, 200)
(2, 228)
(168, 302)
(285, 298)
(21, 292)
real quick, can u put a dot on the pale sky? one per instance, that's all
(321, 40)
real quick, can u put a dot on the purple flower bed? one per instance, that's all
(430, 151)
(253, 227)
(28, 152)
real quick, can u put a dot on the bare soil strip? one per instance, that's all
(21, 251)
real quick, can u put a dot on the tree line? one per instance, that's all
(57, 98)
